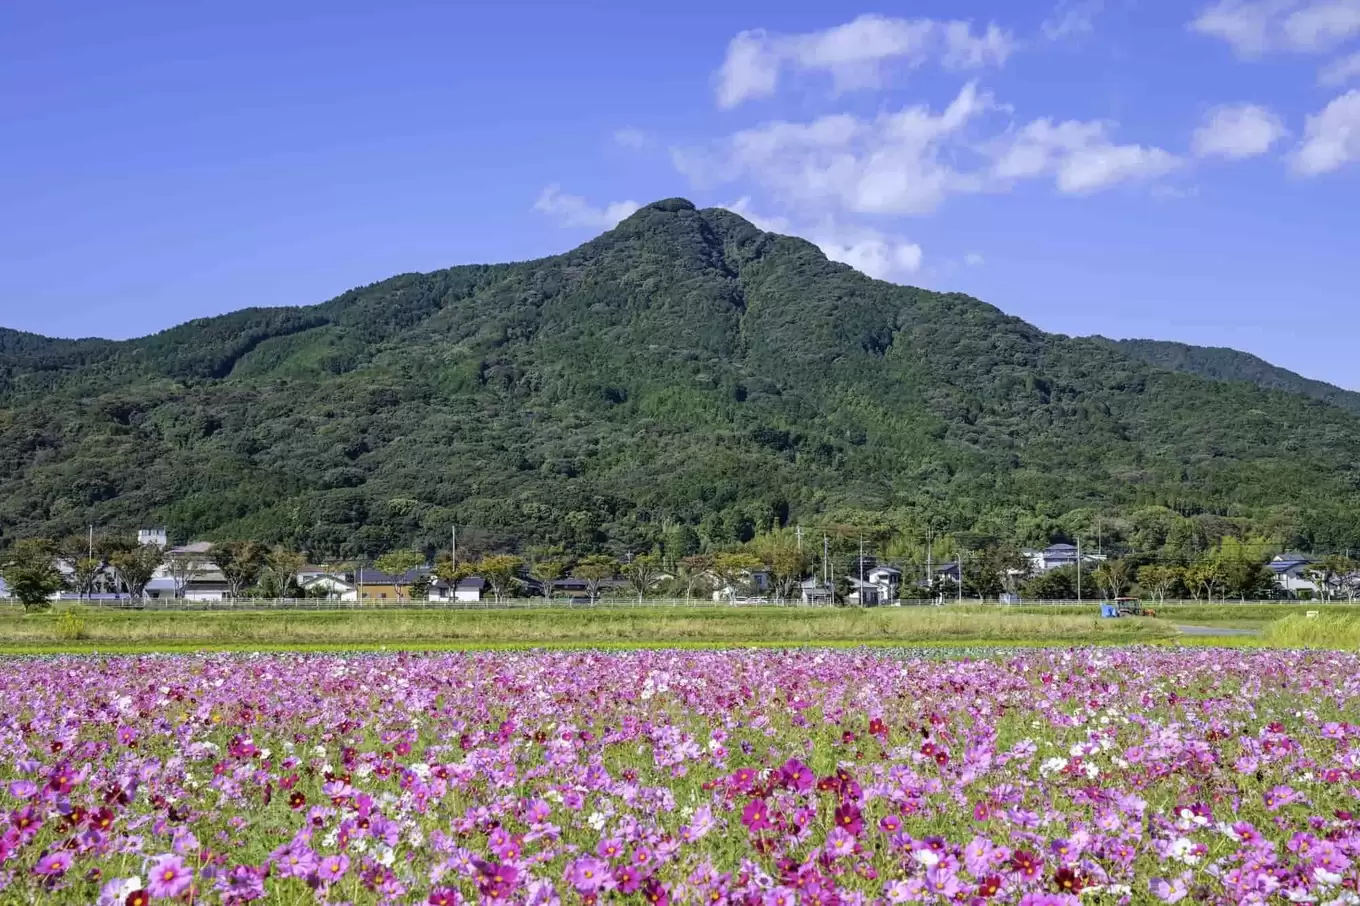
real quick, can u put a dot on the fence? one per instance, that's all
(616, 602)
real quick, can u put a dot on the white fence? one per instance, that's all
(613, 602)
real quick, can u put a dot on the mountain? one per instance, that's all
(684, 376)
(1222, 364)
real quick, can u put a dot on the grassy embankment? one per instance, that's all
(132, 631)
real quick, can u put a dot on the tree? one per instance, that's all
(642, 573)
(694, 571)
(398, 565)
(545, 571)
(993, 569)
(75, 551)
(240, 562)
(1242, 566)
(1329, 573)
(595, 570)
(1204, 577)
(136, 566)
(1158, 580)
(183, 567)
(499, 571)
(1112, 577)
(786, 564)
(733, 570)
(1055, 585)
(31, 573)
(284, 565)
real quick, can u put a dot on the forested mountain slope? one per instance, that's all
(682, 369)
(1223, 364)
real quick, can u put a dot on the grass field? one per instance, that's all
(77, 630)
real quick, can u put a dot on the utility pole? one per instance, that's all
(359, 581)
(798, 532)
(930, 566)
(453, 550)
(826, 567)
(960, 559)
(1078, 570)
(92, 542)
(861, 569)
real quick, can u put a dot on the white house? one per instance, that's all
(465, 591)
(881, 585)
(334, 587)
(755, 582)
(156, 536)
(193, 566)
(815, 591)
(1291, 574)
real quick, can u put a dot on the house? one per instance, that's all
(751, 582)
(4, 590)
(375, 585)
(1053, 557)
(815, 591)
(881, 585)
(572, 587)
(191, 569)
(331, 586)
(1291, 574)
(465, 591)
(156, 536)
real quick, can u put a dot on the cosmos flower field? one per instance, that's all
(664, 777)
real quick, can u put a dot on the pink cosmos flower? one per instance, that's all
(168, 877)
(53, 865)
(756, 816)
(332, 868)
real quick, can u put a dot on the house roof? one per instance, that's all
(1280, 567)
(198, 547)
(1060, 549)
(328, 577)
(377, 577)
(468, 582)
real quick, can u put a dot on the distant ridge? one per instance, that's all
(1222, 364)
(685, 377)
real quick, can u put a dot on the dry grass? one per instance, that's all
(571, 627)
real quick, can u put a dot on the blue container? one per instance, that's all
(1109, 610)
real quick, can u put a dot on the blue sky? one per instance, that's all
(1159, 169)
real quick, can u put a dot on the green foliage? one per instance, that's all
(499, 571)
(71, 627)
(1055, 585)
(136, 565)
(642, 573)
(594, 571)
(31, 574)
(241, 563)
(1231, 365)
(684, 383)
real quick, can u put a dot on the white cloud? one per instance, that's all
(1256, 27)
(867, 250)
(1331, 139)
(872, 253)
(974, 259)
(910, 161)
(892, 164)
(629, 137)
(1237, 131)
(854, 54)
(1341, 71)
(575, 211)
(1079, 155)
(1071, 18)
